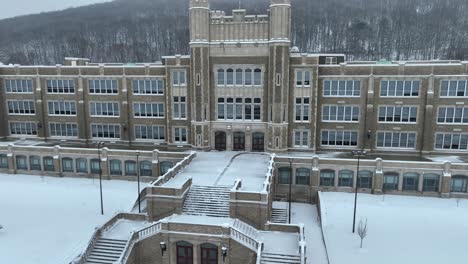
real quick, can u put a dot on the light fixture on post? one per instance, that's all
(290, 187)
(138, 179)
(99, 146)
(163, 247)
(224, 253)
(359, 154)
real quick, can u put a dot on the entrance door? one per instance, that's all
(258, 142)
(239, 141)
(220, 141)
(184, 253)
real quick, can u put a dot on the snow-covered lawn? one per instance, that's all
(49, 220)
(401, 229)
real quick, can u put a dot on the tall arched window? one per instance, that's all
(48, 164)
(209, 253)
(345, 178)
(165, 166)
(130, 168)
(95, 166)
(365, 179)
(431, 182)
(146, 168)
(257, 77)
(390, 181)
(459, 183)
(221, 77)
(3, 161)
(21, 163)
(82, 165)
(184, 251)
(284, 175)
(35, 163)
(327, 178)
(115, 167)
(239, 77)
(248, 77)
(302, 176)
(410, 181)
(230, 77)
(67, 165)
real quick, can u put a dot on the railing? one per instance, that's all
(269, 175)
(149, 231)
(244, 239)
(259, 253)
(302, 244)
(81, 259)
(237, 185)
(174, 170)
(128, 248)
(247, 229)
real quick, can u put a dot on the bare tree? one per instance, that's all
(362, 230)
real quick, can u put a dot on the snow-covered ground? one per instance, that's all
(50, 220)
(401, 229)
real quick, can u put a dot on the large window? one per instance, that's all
(116, 167)
(459, 183)
(327, 178)
(130, 168)
(398, 114)
(184, 251)
(60, 86)
(3, 161)
(209, 253)
(455, 141)
(454, 88)
(48, 164)
(146, 168)
(303, 78)
(21, 107)
(105, 131)
(410, 181)
(35, 163)
(63, 108)
(399, 88)
(150, 132)
(67, 165)
(95, 166)
(178, 78)
(431, 182)
(339, 138)
(103, 87)
(239, 77)
(284, 175)
(180, 135)
(148, 87)
(97, 109)
(345, 178)
(21, 162)
(82, 165)
(365, 179)
(453, 115)
(301, 138)
(390, 182)
(148, 110)
(23, 128)
(404, 140)
(302, 176)
(340, 113)
(19, 86)
(179, 110)
(302, 109)
(344, 88)
(165, 166)
(239, 109)
(63, 130)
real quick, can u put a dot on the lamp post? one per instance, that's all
(359, 154)
(138, 179)
(290, 186)
(99, 146)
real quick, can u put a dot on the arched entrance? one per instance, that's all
(220, 141)
(258, 142)
(239, 141)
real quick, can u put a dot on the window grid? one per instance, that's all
(148, 87)
(98, 109)
(103, 87)
(63, 108)
(179, 78)
(302, 109)
(343, 88)
(239, 77)
(60, 86)
(105, 131)
(23, 128)
(21, 107)
(301, 138)
(340, 113)
(453, 141)
(342, 138)
(19, 86)
(399, 88)
(452, 115)
(150, 132)
(454, 88)
(179, 110)
(63, 129)
(404, 140)
(148, 110)
(180, 135)
(239, 109)
(303, 78)
(398, 114)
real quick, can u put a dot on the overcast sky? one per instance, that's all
(11, 8)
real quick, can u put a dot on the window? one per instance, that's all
(180, 107)
(60, 86)
(67, 165)
(340, 113)
(398, 114)
(365, 179)
(130, 168)
(405, 140)
(103, 87)
(327, 178)
(178, 78)
(23, 128)
(64, 108)
(302, 176)
(453, 115)
(148, 110)
(48, 164)
(459, 183)
(230, 108)
(239, 109)
(453, 88)
(230, 77)
(184, 251)
(390, 181)
(63, 130)
(146, 168)
(410, 181)
(454, 141)
(303, 78)
(209, 253)
(431, 182)
(343, 88)
(21, 163)
(302, 109)
(115, 167)
(284, 175)
(21, 107)
(3, 161)
(148, 87)
(105, 131)
(239, 77)
(82, 165)
(165, 167)
(95, 166)
(331, 60)
(150, 132)
(399, 88)
(35, 163)
(339, 138)
(104, 109)
(19, 86)
(248, 77)
(257, 77)
(345, 178)
(221, 77)
(180, 135)
(301, 138)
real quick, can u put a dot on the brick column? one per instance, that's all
(248, 139)
(57, 163)
(315, 181)
(105, 164)
(11, 160)
(400, 182)
(446, 181)
(156, 164)
(229, 140)
(420, 182)
(378, 177)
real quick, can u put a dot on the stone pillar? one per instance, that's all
(420, 182)
(105, 164)
(11, 160)
(400, 182)
(378, 177)
(248, 139)
(57, 163)
(315, 181)
(446, 181)
(229, 139)
(155, 164)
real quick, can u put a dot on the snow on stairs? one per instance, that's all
(272, 258)
(106, 251)
(279, 216)
(207, 200)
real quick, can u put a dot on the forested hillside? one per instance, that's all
(145, 30)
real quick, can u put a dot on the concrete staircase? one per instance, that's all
(106, 251)
(279, 216)
(272, 258)
(207, 200)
